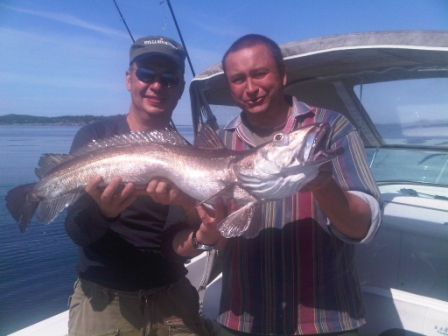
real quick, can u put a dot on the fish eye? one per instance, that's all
(280, 139)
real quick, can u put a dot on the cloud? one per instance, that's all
(56, 51)
(69, 20)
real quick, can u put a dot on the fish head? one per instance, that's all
(281, 167)
(290, 151)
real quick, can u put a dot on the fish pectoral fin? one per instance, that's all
(47, 211)
(255, 226)
(241, 222)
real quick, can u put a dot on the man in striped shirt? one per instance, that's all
(297, 276)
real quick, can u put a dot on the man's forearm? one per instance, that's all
(182, 242)
(348, 213)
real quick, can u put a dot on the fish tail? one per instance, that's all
(21, 205)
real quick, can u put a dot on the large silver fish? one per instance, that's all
(273, 171)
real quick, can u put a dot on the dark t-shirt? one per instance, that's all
(125, 253)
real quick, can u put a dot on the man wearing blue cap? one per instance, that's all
(125, 284)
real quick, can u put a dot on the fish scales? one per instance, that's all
(138, 164)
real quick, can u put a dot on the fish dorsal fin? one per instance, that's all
(207, 138)
(166, 136)
(48, 162)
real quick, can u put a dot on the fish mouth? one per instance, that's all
(315, 150)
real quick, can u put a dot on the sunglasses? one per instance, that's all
(149, 76)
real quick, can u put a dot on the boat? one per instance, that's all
(393, 87)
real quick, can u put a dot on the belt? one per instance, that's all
(143, 295)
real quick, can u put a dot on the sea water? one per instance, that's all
(37, 268)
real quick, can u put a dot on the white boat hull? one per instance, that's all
(403, 271)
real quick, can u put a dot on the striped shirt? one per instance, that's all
(297, 276)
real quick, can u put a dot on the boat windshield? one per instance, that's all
(411, 116)
(408, 112)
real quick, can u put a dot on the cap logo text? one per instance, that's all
(160, 42)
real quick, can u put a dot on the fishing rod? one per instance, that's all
(210, 118)
(124, 21)
(180, 35)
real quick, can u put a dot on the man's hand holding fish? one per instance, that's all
(165, 192)
(113, 198)
(207, 234)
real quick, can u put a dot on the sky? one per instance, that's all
(60, 57)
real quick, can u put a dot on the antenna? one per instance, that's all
(124, 21)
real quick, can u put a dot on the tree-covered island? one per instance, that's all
(22, 119)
